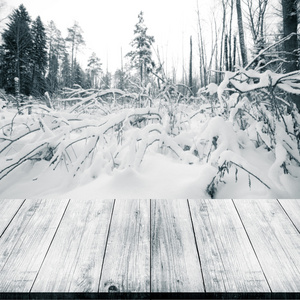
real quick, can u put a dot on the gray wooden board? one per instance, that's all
(228, 261)
(292, 208)
(74, 260)
(276, 242)
(24, 244)
(175, 265)
(8, 208)
(127, 260)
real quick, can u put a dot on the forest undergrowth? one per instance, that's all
(88, 132)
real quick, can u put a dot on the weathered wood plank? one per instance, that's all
(8, 208)
(227, 258)
(74, 260)
(24, 244)
(175, 265)
(127, 260)
(292, 208)
(276, 242)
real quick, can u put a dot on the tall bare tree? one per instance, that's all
(241, 32)
(75, 38)
(202, 52)
(290, 22)
(256, 12)
(191, 64)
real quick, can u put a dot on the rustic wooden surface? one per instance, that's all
(133, 246)
(75, 258)
(127, 259)
(25, 243)
(227, 258)
(275, 240)
(292, 208)
(8, 208)
(175, 265)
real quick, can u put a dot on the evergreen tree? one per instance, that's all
(87, 80)
(55, 41)
(106, 81)
(39, 57)
(79, 76)
(75, 38)
(141, 56)
(120, 80)
(66, 71)
(94, 69)
(52, 81)
(17, 44)
(56, 46)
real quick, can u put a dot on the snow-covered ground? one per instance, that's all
(159, 176)
(191, 149)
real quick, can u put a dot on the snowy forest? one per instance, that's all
(225, 126)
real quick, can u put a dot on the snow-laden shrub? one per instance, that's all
(105, 130)
(257, 116)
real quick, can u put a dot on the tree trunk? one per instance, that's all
(230, 37)
(203, 73)
(226, 53)
(289, 15)
(141, 73)
(241, 32)
(234, 53)
(191, 64)
(222, 38)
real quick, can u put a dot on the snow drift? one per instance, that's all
(238, 140)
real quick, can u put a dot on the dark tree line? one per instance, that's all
(20, 57)
(41, 58)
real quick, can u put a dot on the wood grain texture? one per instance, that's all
(227, 258)
(175, 265)
(74, 260)
(127, 260)
(292, 208)
(24, 244)
(8, 208)
(276, 242)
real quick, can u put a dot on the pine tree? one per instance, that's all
(106, 81)
(56, 43)
(39, 57)
(120, 80)
(66, 71)
(79, 75)
(94, 69)
(56, 46)
(141, 56)
(52, 78)
(17, 44)
(75, 38)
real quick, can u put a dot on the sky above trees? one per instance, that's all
(109, 25)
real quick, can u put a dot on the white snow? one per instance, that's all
(170, 150)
